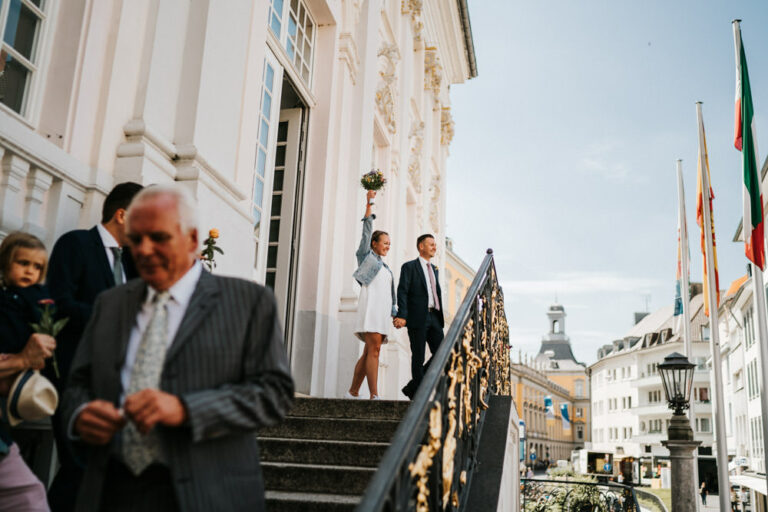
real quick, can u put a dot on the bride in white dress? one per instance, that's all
(376, 305)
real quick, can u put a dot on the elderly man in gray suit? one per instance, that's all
(174, 374)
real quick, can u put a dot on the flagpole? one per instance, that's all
(724, 491)
(685, 295)
(758, 288)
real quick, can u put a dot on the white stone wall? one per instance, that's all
(154, 91)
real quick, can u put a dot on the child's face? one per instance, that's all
(26, 267)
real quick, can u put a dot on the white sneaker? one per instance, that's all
(350, 396)
(375, 397)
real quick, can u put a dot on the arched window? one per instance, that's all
(579, 387)
(556, 326)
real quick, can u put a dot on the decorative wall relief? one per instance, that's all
(416, 139)
(389, 56)
(433, 71)
(414, 7)
(446, 126)
(434, 203)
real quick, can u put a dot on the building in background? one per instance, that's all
(560, 365)
(268, 112)
(458, 277)
(630, 414)
(741, 388)
(540, 404)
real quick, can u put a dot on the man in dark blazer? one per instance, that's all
(173, 376)
(83, 264)
(420, 308)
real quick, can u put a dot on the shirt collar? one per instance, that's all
(106, 237)
(424, 262)
(182, 290)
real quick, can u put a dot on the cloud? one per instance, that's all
(603, 160)
(575, 283)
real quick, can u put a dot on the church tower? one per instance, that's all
(556, 345)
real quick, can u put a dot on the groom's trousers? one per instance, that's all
(429, 334)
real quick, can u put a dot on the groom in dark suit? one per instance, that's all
(174, 374)
(83, 264)
(420, 308)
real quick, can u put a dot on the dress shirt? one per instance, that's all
(108, 241)
(181, 293)
(425, 269)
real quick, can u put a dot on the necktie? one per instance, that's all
(117, 266)
(433, 286)
(140, 451)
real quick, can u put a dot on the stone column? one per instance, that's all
(681, 446)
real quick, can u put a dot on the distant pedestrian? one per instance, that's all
(529, 474)
(703, 493)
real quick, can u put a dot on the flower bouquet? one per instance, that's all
(373, 180)
(211, 249)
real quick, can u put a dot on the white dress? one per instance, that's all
(374, 308)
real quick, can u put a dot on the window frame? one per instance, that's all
(284, 37)
(37, 68)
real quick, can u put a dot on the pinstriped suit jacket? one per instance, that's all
(227, 363)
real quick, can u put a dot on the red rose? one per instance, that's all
(46, 302)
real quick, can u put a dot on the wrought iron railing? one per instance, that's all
(576, 496)
(430, 463)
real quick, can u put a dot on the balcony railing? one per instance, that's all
(433, 455)
(572, 496)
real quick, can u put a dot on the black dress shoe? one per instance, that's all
(408, 390)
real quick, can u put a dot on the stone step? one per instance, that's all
(339, 429)
(308, 451)
(316, 478)
(282, 501)
(351, 409)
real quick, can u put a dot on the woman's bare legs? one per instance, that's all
(359, 374)
(373, 342)
(368, 364)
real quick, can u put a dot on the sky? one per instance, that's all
(563, 159)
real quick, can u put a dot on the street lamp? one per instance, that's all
(677, 376)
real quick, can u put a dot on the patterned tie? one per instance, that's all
(433, 287)
(140, 451)
(117, 266)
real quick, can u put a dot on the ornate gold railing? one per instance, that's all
(430, 463)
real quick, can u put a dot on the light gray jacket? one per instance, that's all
(369, 263)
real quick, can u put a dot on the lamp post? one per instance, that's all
(677, 376)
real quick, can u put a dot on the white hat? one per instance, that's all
(32, 397)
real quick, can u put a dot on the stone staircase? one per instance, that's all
(323, 455)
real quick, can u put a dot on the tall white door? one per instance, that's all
(283, 214)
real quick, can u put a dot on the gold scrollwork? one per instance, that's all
(420, 468)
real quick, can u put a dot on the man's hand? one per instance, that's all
(399, 322)
(39, 347)
(371, 194)
(148, 407)
(98, 422)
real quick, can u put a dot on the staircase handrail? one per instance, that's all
(443, 423)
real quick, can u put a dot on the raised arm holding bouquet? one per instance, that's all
(377, 303)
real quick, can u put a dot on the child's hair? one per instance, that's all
(13, 242)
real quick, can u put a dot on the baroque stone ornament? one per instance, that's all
(414, 7)
(416, 137)
(433, 71)
(446, 126)
(389, 56)
(434, 204)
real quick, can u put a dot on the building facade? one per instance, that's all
(268, 111)
(741, 387)
(630, 414)
(560, 365)
(458, 278)
(539, 403)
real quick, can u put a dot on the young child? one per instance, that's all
(23, 262)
